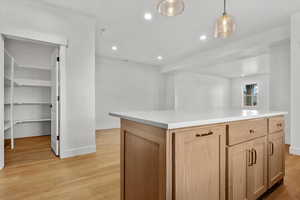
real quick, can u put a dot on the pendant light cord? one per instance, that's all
(224, 13)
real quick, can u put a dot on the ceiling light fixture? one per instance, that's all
(170, 8)
(159, 58)
(115, 48)
(148, 16)
(225, 25)
(203, 37)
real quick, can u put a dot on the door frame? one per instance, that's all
(1, 102)
(62, 43)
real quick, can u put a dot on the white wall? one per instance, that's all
(26, 18)
(280, 89)
(122, 86)
(295, 83)
(274, 87)
(200, 92)
(169, 91)
(30, 53)
(263, 91)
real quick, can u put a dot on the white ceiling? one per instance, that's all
(174, 37)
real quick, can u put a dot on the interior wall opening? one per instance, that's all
(31, 101)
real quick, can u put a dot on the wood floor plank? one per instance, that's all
(33, 173)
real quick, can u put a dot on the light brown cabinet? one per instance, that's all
(143, 174)
(276, 158)
(234, 161)
(258, 169)
(200, 164)
(239, 160)
(247, 170)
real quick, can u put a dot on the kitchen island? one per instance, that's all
(179, 155)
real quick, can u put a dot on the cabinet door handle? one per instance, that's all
(255, 154)
(272, 148)
(204, 134)
(250, 158)
(251, 131)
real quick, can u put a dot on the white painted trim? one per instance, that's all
(1, 102)
(294, 150)
(62, 94)
(78, 151)
(35, 36)
(107, 127)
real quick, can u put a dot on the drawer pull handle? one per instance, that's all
(204, 134)
(251, 131)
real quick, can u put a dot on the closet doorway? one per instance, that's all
(32, 96)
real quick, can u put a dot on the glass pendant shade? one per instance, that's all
(170, 7)
(225, 26)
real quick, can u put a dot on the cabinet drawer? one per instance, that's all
(276, 124)
(246, 130)
(203, 132)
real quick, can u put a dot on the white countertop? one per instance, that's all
(181, 119)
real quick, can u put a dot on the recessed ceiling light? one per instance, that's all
(115, 48)
(159, 58)
(203, 37)
(148, 16)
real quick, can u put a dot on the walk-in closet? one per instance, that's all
(31, 93)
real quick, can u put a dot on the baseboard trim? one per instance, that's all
(99, 131)
(78, 151)
(294, 150)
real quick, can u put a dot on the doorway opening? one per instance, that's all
(31, 101)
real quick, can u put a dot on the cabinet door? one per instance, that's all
(258, 182)
(143, 162)
(276, 158)
(200, 164)
(239, 161)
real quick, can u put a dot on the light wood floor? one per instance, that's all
(34, 173)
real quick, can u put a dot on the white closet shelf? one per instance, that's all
(29, 103)
(28, 82)
(32, 121)
(34, 67)
(32, 83)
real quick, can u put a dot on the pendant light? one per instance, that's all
(170, 8)
(225, 25)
